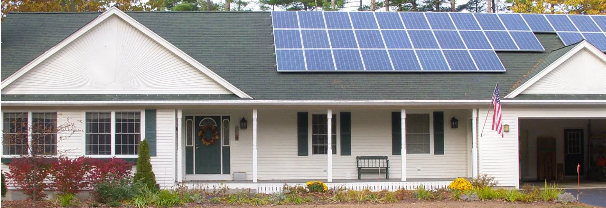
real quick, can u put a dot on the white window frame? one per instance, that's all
(336, 131)
(29, 132)
(431, 135)
(113, 132)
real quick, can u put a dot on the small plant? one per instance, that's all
(340, 196)
(423, 194)
(460, 184)
(144, 171)
(3, 186)
(277, 198)
(482, 181)
(316, 186)
(550, 192)
(120, 190)
(67, 200)
(113, 169)
(514, 195)
(94, 204)
(390, 197)
(168, 198)
(486, 193)
(215, 200)
(114, 204)
(403, 194)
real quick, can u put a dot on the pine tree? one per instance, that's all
(3, 186)
(144, 172)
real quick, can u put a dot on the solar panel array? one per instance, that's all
(408, 41)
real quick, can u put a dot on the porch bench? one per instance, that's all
(376, 163)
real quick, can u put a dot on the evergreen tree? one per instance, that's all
(144, 172)
(3, 186)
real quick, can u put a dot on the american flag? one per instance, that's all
(497, 121)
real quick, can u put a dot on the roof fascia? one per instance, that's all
(141, 28)
(583, 45)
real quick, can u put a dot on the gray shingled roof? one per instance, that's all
(238, 46)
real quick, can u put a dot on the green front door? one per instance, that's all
(207, 144)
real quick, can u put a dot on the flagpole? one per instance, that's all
(486, 119)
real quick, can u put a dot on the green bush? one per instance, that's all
(67, 200)
(3, 186)
(483, 181)
(144, 168)
(423, 194)
(514, 195)
(550, 192)
(168, 198)
(486, 193)
(112, 191)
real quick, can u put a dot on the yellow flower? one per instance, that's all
(460, 184)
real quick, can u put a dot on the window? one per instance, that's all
(225, 133)
(128, 133)
(125, 138)
(15, 133)
(319, 135)
(43, 136)
(44, 133)
(417, 134)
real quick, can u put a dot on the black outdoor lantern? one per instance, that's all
(454, 123)
(243, 123)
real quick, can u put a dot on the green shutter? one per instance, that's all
(396, 133)
(345, 133)
(302, 136)
(438, 133)
(150, 130)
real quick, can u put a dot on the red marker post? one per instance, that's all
(578, 180)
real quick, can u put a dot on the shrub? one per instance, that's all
(423, 194)
(144, 171)
(514, 195)
(482, 181)
(112, 169)
(118, 190)
(168, 198)
(460, 184)
(69, 175)
(29, 173)
(316, 186)
(3, 186)
(550, 192)
(390, 197)
(66, 200)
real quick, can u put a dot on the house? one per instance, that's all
(220, 99)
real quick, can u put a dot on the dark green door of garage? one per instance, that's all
(208, 156)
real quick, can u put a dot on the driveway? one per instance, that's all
(592, 196)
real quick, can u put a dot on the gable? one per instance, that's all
(583, 73)
(114, 54)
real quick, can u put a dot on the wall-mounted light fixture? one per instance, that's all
(243, 123)
(506, 128)
(454, 123)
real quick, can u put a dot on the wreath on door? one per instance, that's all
(202, 135)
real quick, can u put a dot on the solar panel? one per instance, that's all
(414, 20)
(290, 60)
(376, 60)
(311, 20)
(432, 60)
(342, 39)
(501, 40)
(363, 20)
(487, 60)
(389, 20)
(561, 23)
(514, 22)
(348, 60)
(526, 41)
(440, 21)
(369, 39)
(285, 20)
(337, 20)
(489, 21)
(459, 60)
(584, 23)
(538, 23)
(396, 39)
(475, 40)
(569, 38)
(423, 39)
(465, 21)
(315, 39)
(449, 39)
(287, 39)
(596, 39)
(601, 21)
(319, 60)
(404, 60)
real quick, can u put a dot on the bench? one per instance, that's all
(377, 163)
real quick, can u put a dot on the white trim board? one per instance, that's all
(146, 31)
(567, 56)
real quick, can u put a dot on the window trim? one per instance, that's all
(29, 132)
(113, 132)
(336, 130)
(431, 135)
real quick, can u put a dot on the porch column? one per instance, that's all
(254, 145)
(403, 150)
(329, 153)
(180, 145)
(474, 142)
